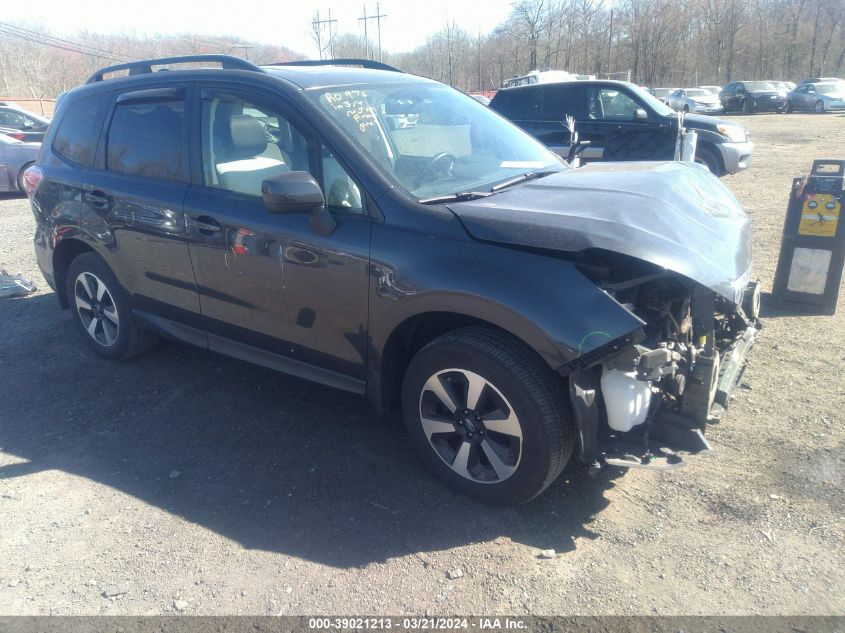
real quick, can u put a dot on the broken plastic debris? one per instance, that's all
(14, 285)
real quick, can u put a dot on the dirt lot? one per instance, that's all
(185, 482)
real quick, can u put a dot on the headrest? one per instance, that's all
(248, 136)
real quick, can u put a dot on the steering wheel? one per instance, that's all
(439, 162)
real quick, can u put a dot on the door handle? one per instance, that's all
(205, 225)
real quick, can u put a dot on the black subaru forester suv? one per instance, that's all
(387, 235)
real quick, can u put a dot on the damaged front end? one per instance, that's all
(645, 400)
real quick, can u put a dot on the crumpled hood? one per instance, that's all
(675, 215)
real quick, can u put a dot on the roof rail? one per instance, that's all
(144, 66)
(363, 63)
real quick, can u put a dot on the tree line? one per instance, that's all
(652, 42)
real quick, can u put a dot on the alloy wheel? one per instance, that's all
(96, 309)
(471, 426)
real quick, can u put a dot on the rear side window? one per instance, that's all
(149, 139)
(79, 130)
(518, 105)
(560, 101)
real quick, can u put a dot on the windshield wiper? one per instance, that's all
(531, 175)
(459, 196)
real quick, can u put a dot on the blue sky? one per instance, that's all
(272, 21)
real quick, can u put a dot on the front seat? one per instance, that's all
(245, 166)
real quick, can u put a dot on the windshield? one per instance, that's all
(656, 104)
(695, 92)
(759, 85)
(827, 89)
(433, 140)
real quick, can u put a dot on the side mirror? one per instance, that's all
(298, 192)
(640, 115)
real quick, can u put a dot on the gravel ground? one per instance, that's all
(183, 482)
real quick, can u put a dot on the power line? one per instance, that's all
(56, 42)
(318, 28)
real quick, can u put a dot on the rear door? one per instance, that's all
(135, 203)
(559, 101)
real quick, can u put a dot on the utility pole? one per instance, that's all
(610, 46)
(318, 28)
(377, 17)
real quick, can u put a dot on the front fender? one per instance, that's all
(544, 301)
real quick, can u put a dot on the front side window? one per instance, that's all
(342, 194)
(244, 143)
(610, 104)
(432, 140)
(149, 139)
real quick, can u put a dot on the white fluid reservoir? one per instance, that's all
(625, 398)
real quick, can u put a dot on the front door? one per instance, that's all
(272, 290)
(611, 118)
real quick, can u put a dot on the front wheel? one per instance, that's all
(788, 108)
(487, 415)
(706, 157)
(819, 108)
(100, 308)
(746, 107)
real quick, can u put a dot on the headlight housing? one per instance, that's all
(735, 133)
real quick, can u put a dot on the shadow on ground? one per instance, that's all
(269, 461)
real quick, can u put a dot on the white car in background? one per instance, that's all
(697, 100)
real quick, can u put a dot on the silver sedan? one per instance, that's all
(15, 157)
(695, 100)
(820, 97)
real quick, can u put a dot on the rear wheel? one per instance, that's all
(788, 106)
(819, 107)
(100, 308)
(746, 107)
(487, 416)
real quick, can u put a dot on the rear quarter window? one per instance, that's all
(79, 130)
(518, 105)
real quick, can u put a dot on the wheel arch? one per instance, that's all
(63, 254)
(391, 354)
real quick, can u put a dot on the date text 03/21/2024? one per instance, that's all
(416, 624)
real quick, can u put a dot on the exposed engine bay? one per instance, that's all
(651, 397)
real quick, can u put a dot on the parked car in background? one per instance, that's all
(22, 125)
(15, 157)
(714, 89)
(694, 100)
(481, 99)
(752, 96)
(820, 97)
(660, 93)
(622, 122)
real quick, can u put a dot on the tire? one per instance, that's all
(19, 181)
(100, 309)
(746, 107)
(819, 107)
(518, 394)
(788, 108)
(705, 156)
(639, 145)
